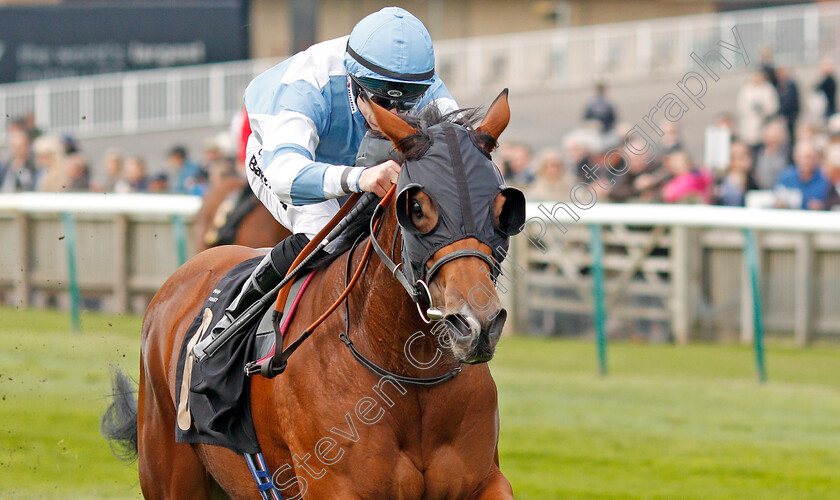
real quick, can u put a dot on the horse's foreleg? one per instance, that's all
(494, 487)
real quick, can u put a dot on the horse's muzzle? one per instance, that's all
(472, 340)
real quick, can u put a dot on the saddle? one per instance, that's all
(212, 394)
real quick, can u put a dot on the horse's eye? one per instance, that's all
(416, 210)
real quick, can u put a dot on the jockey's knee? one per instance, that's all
(285, 252)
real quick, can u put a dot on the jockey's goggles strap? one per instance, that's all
(412, 77)
(399, 96)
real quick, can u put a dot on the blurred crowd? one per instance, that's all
(38, 161)
(768, 146)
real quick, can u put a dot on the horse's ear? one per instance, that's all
(394, 127)
(497, 117)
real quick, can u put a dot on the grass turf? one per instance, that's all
(668, 421)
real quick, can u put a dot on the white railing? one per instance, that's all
(155, 100)
(634, 51)
(678, 269)
(675, 269)
(124, 246)
(131, 102)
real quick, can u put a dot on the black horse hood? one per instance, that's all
(463, 182)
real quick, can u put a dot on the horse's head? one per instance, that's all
(457, 216)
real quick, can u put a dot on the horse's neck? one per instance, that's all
(384, 317)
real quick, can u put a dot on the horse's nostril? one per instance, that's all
(462, 326)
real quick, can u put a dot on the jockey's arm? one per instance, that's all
(289, 170)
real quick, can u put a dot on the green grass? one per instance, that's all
(668, 422)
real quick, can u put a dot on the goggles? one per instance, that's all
(390, 95)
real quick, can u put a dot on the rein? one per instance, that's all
(269, 370)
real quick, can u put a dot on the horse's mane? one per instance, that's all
(415, 146)
(409, 148)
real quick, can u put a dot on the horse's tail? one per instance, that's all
(119, 422)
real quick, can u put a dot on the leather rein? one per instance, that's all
(269, 369)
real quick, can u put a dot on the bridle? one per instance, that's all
(269, 369)
(413, 292)
(418, 288)
(417, 250)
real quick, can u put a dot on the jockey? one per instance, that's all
(307, 126)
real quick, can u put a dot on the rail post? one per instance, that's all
(751, 259)
(73, 284)
(179, 228)
(597, 250)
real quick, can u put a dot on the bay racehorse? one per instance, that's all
(257, 228)
(329, 427)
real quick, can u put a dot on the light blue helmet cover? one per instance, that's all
(391, 45)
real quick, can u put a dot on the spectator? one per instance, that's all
(134, 178)
(688, 183)
(788, 99)
(671, 140)
(828, 86)
(18, 172)
(578, 147)
(552, 182)
(212, 152)
(832, 174)
(78, 172)
(757, 101)
(70, 145)
(158, 184)
(600, 109)
(725, 120)
(221, 169)
(516, 164)
(808, 132)
(28, 122)
(772, 156)
(802, 185)
(188, 176)
(112, 165)
(641, 182)
(767, 67)
(49, 164)
(733, 187)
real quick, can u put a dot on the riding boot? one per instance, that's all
(268, 273)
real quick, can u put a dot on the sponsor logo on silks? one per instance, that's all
(395, 93)
(351, 96)
(252, 164)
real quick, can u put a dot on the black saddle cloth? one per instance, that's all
(219, 399)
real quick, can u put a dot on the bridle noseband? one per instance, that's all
(417, 290)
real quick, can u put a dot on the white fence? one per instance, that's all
(126, 103)
(125, 245)
(675, 271)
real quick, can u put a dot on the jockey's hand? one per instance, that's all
(378, 179)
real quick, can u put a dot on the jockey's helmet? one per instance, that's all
(390, 56)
